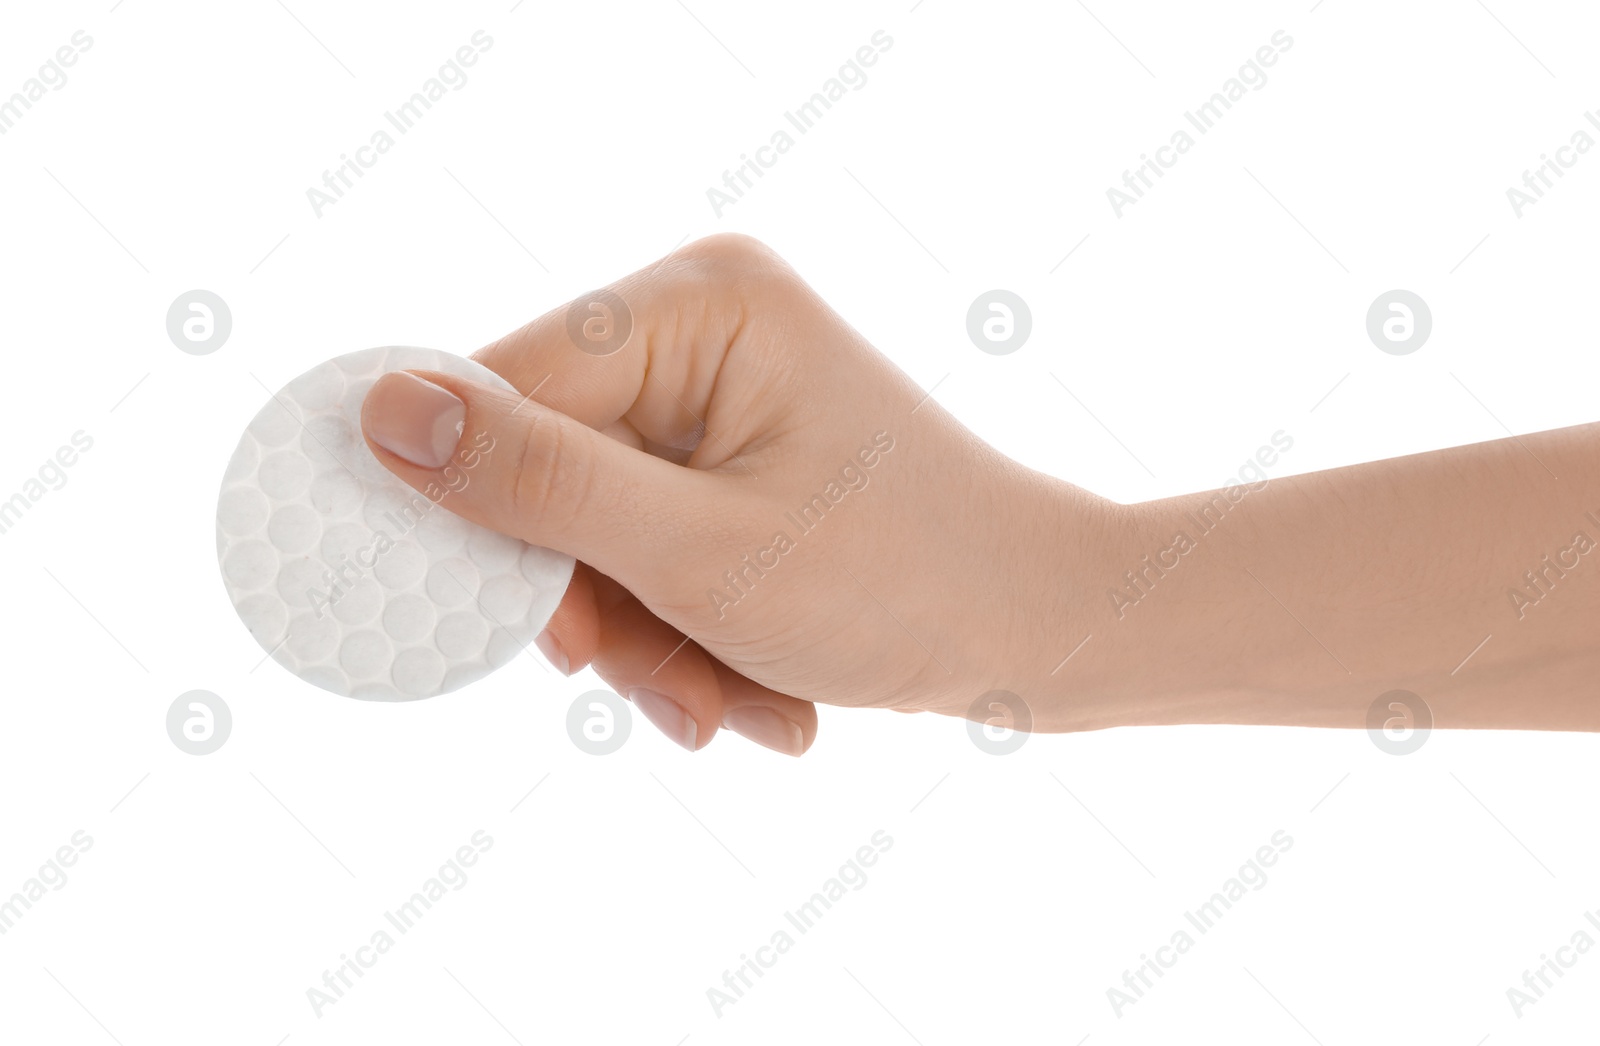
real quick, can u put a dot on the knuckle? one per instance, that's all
(731, 257)
(546, 487)
(724, 281)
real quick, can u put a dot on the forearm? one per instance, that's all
(1462, 575)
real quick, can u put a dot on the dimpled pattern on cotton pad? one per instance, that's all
(354, 580)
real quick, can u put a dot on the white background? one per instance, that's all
(1222, 307)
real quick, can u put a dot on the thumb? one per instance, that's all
(507, 463)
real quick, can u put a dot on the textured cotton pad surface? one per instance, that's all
(354, 580)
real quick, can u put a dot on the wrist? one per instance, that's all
(1154, 613)
(1068, 545)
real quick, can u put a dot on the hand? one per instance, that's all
(766, 512)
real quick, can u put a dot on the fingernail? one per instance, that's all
(765, 727)
(666, 714)
(414, 419)
(552, 651)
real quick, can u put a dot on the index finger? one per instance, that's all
(649, 348)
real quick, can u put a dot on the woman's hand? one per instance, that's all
(767, 513)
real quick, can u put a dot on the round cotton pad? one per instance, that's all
(351, 578)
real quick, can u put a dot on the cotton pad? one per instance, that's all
(354, 580)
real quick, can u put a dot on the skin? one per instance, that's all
(739, 395)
